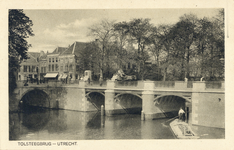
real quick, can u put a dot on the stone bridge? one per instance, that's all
(152, 99)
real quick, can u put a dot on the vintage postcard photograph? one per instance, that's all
(117, 75)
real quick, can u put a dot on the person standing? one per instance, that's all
(181, 114)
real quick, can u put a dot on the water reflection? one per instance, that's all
(35, 118)
(72, 125)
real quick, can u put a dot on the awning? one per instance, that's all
(51, 75)
(64, 76)
(60, 76)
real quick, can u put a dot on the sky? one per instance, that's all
(54, 27)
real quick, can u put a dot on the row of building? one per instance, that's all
(61, 63)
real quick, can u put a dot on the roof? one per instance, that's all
(43, 56)
(75, 48)
(33, 57)
(59, 50)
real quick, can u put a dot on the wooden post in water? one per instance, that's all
(102, 111)
(187, 114)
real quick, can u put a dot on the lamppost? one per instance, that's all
(38, 75)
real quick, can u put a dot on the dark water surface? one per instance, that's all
(45, 124)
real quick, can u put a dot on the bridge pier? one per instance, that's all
(207, 109)
(149, 110)
(111, 105)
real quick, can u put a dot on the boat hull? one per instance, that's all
(182, 130)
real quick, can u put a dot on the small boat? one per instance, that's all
(182, 130)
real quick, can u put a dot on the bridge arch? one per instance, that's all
(116, 96)
(130, 102)
(29, 90)
(97, 99)
(185, 98)
(34, 98)
(170, 104)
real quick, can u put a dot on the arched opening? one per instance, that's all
(132, 104)
(97, 99)
(34, 116)
(170, 104)
(34, 101)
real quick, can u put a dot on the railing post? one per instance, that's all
(110, 84)
(81, 83)
(199, 86)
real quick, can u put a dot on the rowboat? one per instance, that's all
(182, 130)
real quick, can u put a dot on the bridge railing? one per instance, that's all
(164, 84)
(131, 84)
(126, 83)
(96, 84)
(214, 84)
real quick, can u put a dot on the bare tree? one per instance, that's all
(104, 34)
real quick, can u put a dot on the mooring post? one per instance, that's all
(102, 110)
(187, 114)
(142, 116)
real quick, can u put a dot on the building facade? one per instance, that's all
(68, 61)
(29, 68)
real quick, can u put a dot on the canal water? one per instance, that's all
(46, 124)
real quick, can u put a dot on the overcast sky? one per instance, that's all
(54, 28)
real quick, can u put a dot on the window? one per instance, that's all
(66, 67)
(25, 68)
(42, 70)
(56, 59)
(56, 67)
(61, 68)
(49, 67)
(29, 68)
(33, 69)
(52, 59)
(53, 67)
(49, 59)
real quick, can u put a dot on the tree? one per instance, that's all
(122, 42)
(104, 34)
(19, 30)
(184, 34)
(140, 31)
